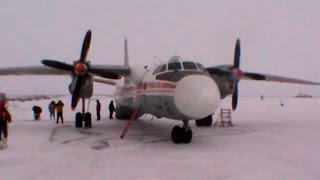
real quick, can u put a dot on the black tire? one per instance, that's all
(79, 120)
(176, 134)
(208, 121)
(187, 136)
(87, 120)
(199, 122)
(36, 117)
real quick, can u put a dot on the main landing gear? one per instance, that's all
(182, 134)
(207, 121)
(86, 118)
(83, 117)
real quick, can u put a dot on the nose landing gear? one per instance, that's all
(182, 134)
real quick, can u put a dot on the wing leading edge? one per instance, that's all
(31, 70)
(234, 75)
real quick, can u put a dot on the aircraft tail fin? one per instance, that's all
(126, 57)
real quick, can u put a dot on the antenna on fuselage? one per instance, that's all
(126, 56)
(158, 59)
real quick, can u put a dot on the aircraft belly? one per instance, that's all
(160, 106)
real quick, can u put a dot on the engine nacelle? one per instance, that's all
(86, 90)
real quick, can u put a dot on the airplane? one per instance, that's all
(178, 89)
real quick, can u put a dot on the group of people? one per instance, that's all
(53, 107)
(111, 109)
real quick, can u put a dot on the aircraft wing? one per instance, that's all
(23, 98)
(104, 81)
(238, 75)
(32, 70)
(106, 71)
(275, 78)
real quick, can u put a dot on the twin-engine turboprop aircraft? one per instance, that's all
(178, 89)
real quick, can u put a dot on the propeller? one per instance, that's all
(238, 73)
(80, 69)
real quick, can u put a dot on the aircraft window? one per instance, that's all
(156, 70)
(201, 67)
(174, 66)
(163, 68)
(189, 65)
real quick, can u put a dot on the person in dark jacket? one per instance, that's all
(59, 108)
(98, 108)
(36, 111)
(111, 109)
(52, 110)
(5, 118)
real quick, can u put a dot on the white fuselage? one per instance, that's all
(194, 95)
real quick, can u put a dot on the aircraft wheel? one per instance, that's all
(187, 136)
(79, 120)
(199, 122)
(87, 120)
(176, 134)
(208, 121)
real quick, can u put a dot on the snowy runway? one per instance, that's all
(267, 142)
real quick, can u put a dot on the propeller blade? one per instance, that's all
(85, 46)
(76, 92)
(57, 64)
(236, 60)
(254, 76)
(235, 96)
(217, 71)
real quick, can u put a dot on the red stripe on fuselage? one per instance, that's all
(147, 87)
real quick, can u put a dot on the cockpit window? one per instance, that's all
(156, 70)
(189, 65)
(163, 68)
(201, 67)
(174, 66)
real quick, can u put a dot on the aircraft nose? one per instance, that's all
(196, 96)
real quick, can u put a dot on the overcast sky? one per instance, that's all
(277, 37)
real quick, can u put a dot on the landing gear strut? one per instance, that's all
(182, 134)
(83, 117)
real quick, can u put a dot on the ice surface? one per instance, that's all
(268, 141)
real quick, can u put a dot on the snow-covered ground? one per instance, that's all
(268, 141)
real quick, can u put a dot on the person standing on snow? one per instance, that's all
(111, 109)
(5, 118)
(59, 108)
(98, 108)
(52, 110)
